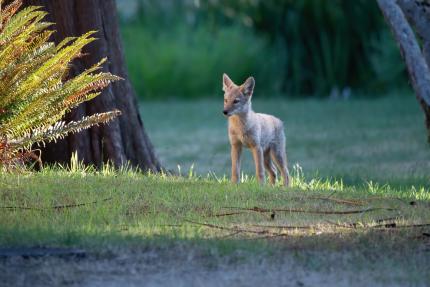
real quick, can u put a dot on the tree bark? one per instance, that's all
(124, 140)
(418, 68)
(418, 14)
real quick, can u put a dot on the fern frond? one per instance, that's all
(9, 11)
(35, 93)
(61, 129)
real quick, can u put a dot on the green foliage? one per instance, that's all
(386, 63)
(306, 47)
(35, 92)
(191, 63)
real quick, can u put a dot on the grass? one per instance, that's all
(148, 206)
(364, 156)
(130, 210)
(380, 140)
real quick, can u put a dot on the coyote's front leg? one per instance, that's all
(236, 151)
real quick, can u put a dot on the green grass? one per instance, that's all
(381, 140)
(132, 211)
(131, 204)
(365, 155)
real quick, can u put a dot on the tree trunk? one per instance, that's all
(418, 14)
(416, 64)
(124, 140)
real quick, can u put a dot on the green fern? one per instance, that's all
(34, 95)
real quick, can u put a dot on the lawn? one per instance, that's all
(357, 141)
(359, 202)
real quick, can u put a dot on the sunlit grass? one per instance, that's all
(79, 205)
(193, 202)
(382, 140)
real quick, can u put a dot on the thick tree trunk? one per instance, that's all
(416, 64)
(124, 140)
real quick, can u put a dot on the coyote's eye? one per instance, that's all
(235, 101)
(225, 101)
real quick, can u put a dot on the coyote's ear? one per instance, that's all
(248, 87)
(226, 82)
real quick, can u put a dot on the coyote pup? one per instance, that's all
(263, 134)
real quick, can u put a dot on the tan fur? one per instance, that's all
(263, 134)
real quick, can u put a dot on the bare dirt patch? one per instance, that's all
(185, 266)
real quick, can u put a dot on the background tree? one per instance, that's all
(124, 140)
(397, 13)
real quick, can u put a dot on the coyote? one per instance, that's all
(263, 134)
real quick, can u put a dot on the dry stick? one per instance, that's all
(358, 201)
(381, 220)
(375, 198)
(231, 229)
(348, 225)
(391, 225)
(340, 201)
(401, 226)
(272, 236)
(345, 212)
(329, 198)
(56, 207)
(225, 214)
(356, 224)
(286, 226)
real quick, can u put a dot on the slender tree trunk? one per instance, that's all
(418, 67)
(124, 140)
(418, 14)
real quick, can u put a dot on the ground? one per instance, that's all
(382, 139)
(358, 212)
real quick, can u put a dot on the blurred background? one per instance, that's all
(306, 48)
(329, 69)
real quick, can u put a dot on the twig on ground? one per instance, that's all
(374, 198)
(359, 223)
(394, 225)
(286, 226)
(56, 207)
(384, 224)
(225, 214)
(233, 229)
(340, 201)
(292, 210)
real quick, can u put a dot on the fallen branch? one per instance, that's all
(56, 207)
(340, 201)
(286, 226)
(384, 224)
(394, 225)
(225, 214)
(321, 212)
(232, 229)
